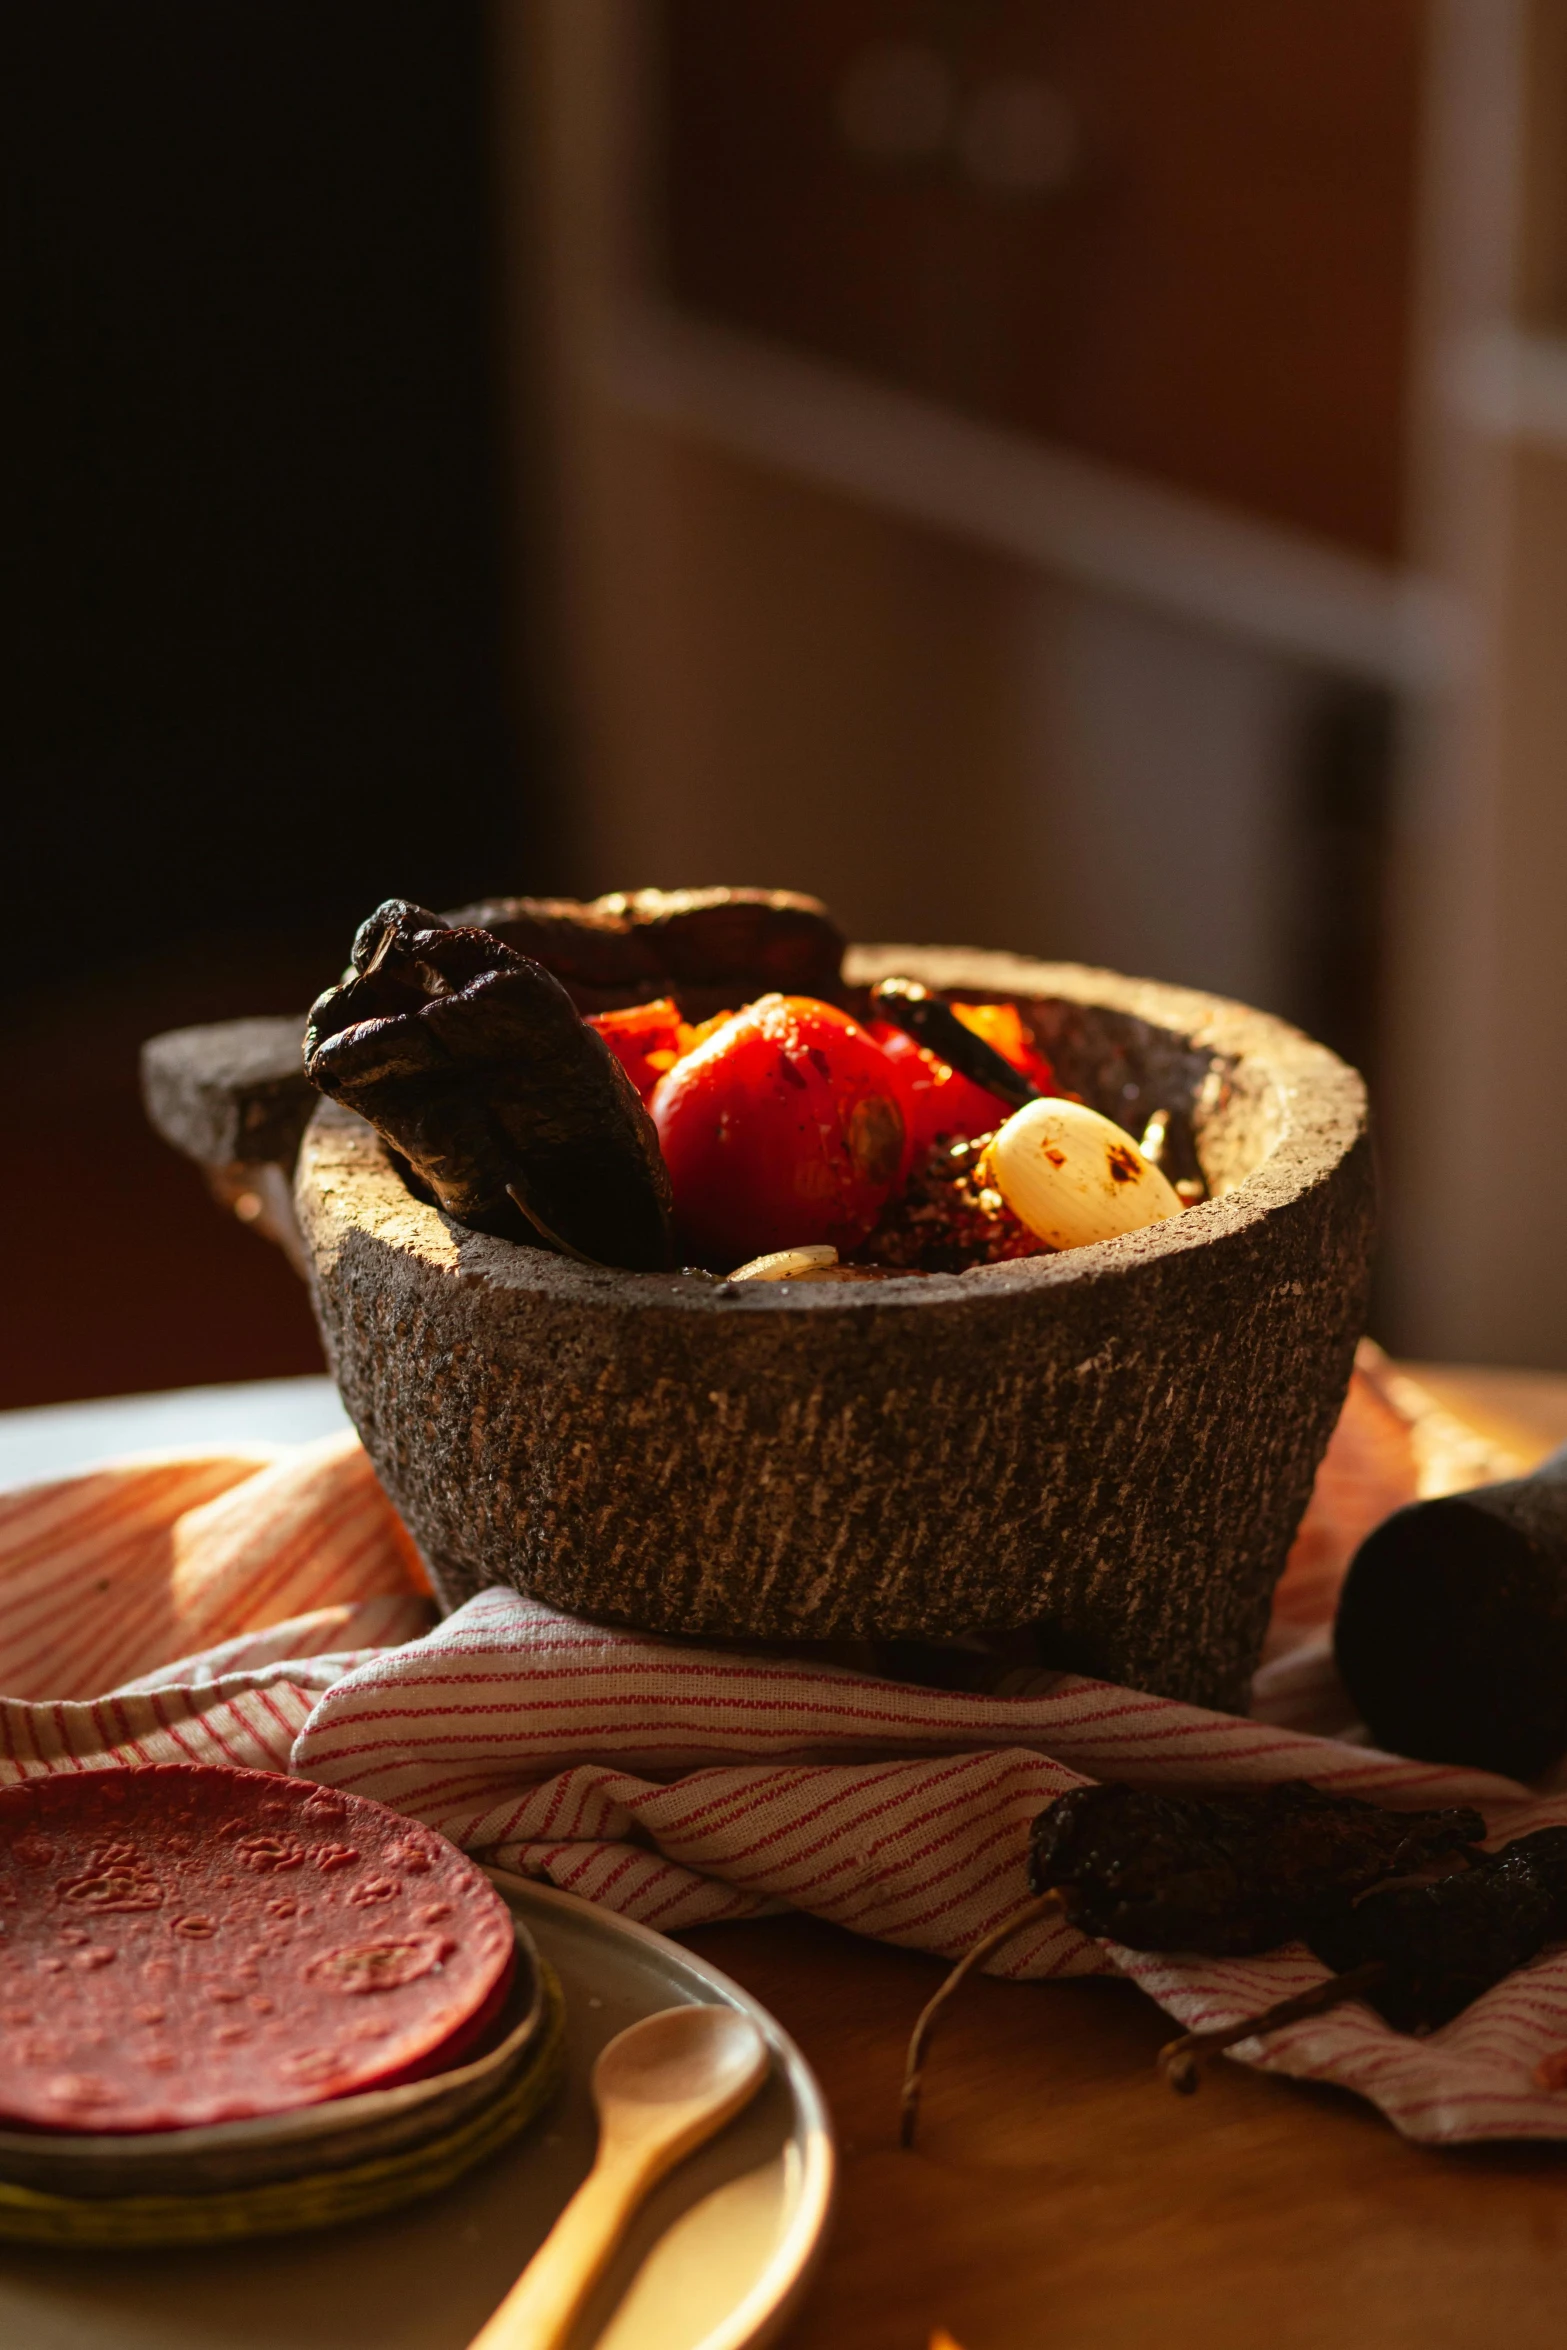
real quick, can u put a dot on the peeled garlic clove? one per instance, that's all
(1073, 1177)
(789, 1264)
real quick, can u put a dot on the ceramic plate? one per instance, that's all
(716, 2262)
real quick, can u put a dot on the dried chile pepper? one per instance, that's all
(906, 1005)
(1228, 1872)
(713, 950)
(1441, 1944)
(1232, 1871)
(1418, 1954)
(474, 1065)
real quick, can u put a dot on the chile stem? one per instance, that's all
(1181, 2060)
(919, 2040)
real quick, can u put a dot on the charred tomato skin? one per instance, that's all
(645, 1040)
(941, 1104)
(648, 1039)
(783, 1127)
(937, 1103)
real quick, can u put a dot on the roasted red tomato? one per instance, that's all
(936, 1100)
(1005, 1030)
(648, 1039)
(645, 1040)
(783, 1127)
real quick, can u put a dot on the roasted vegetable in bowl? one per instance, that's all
(782, 1128)
(474, 1065)
(779, 1125)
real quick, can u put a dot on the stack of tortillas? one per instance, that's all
(223, 1975)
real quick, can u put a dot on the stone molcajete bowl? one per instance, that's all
(1113, 1445)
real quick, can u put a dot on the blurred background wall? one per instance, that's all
(1088, 479)
(1095, 480)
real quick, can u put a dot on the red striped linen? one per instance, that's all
(265, 1607)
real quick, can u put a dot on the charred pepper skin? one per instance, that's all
(1445, 1943)
(1227, 1873)
(713, 950)
(474, 1066)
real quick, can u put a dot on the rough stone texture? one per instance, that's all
(1114, 1444)
(233, 1093)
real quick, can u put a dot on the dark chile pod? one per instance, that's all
(393, 926)
(1419, 1954)
(591, 951)
(907, 1005)
(713, 950)
(474, 1066)
(1441, 1945)
(1232, 1870)
(1451, 1635)
(774, 941)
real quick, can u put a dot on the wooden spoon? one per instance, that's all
(661, 2087)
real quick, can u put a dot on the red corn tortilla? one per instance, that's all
(183, 1944)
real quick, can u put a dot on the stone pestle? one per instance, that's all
(1451, 1635)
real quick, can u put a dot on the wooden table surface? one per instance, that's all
(1061, 2196)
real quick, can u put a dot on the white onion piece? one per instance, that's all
(789, 1264)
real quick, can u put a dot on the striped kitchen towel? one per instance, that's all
(265, 1608)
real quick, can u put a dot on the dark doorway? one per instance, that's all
(260, 628)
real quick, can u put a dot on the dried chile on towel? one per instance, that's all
(1444, 1943)
(1229, 1872)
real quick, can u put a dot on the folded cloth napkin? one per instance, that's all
(266, 1608)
